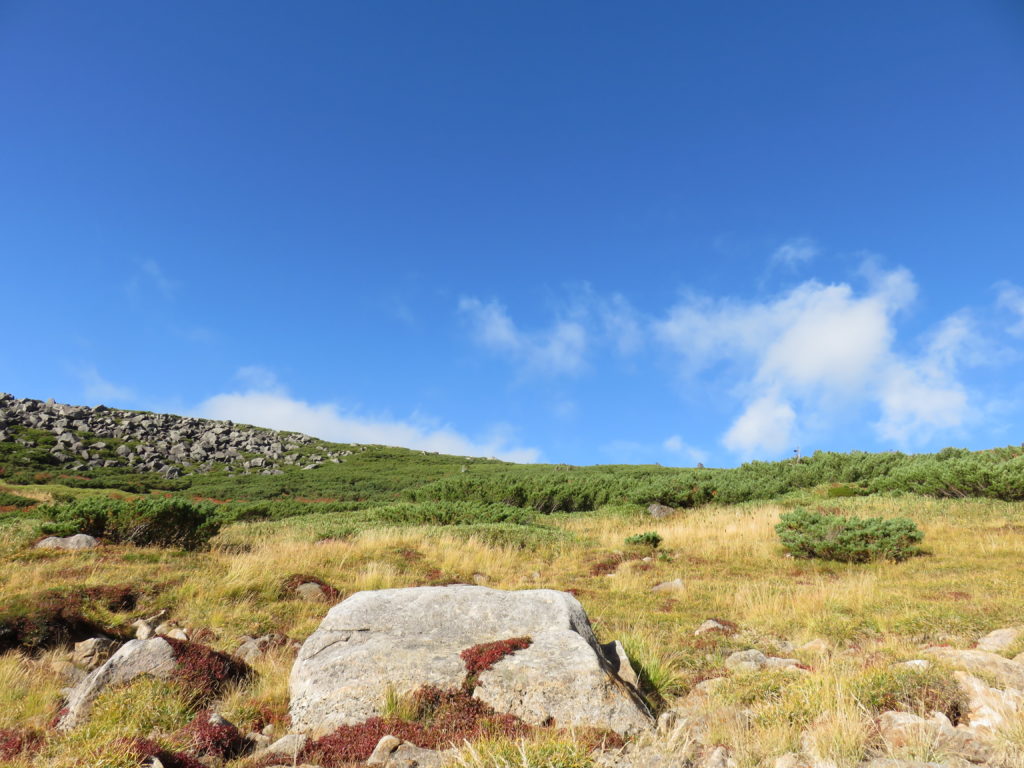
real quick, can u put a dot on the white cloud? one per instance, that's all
(819, 350)
(150, 278)
(101, 391)
(560, 349)
(794, 252)
(272, 407)
(766, 426)
(622, 324)
(1011, 297)
(675, 444)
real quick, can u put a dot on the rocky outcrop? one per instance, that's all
(79, 438)
(1008, 673)
(403, 639)
(135, 658)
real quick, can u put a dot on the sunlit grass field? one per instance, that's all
(969, 581)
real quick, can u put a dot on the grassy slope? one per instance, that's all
(726, 555)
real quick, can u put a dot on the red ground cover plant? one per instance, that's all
(290, 584)
(611, 563)
(203, 672)
(18, 741)
(206, 739)
(445, 718)
(480, 658)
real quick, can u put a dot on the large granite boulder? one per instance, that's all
(403, 639)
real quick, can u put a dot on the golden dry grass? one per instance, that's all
(727, 557)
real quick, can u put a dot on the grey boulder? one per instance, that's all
(135, 658)
(78, 541)
(403, 639)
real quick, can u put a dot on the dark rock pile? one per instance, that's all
(79, 437)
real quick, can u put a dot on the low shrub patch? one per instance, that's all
(206, 739)
(646, 539)
(847, 539)
(202, 673)
(162, 522)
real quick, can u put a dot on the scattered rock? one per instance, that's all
(792, 760)
(90, 653)
(1008, 673)
(676, 585)
(904, 729)
(989, 708)
(311, 592)
(619, 661)
(660, 511)
(713, 625)
(288, 746)
(999, 640)
(136, 657)
(746, 661)
(253, 648)
(407, 638)
(919, 664)
(76, 542)
(718, 758)
(818, 646)
(383, 750)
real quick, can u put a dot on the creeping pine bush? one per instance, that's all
(847, 539)
(646, 539)
(161, 522)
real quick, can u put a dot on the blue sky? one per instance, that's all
(582, 232)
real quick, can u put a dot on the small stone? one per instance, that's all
(480, 579)
(718, 758)
(90, 653)
(311, 592)
(917, 664)
(774, 662)
(676, 585)
(289, 745)
(382, 752)
(710, 625)
(817, 645)
(143, 630)
(999, 640)
(660, 511)
(746, 661)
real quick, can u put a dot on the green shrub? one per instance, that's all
(847, 539)
(170, 522)
(14, 500)
(645, 539)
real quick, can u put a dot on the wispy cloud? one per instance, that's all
(266, 403)
(676, 445)
(148, 279)
(1011, 298)
(560, 349)
(795, 252)
(99, 390)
